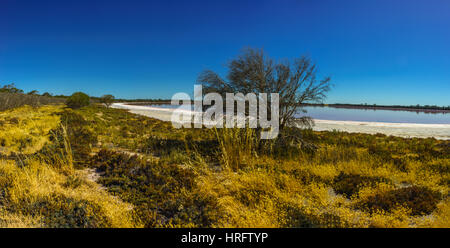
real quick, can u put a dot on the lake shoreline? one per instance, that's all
(339, 106)
(406, 130)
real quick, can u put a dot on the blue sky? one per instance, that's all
(376, 51)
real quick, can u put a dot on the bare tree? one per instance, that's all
(254, 72)
(107, 100)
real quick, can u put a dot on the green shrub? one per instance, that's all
(420, 200)
(78, 100)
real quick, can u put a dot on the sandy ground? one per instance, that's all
(438, 131)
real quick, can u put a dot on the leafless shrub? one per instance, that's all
(254, 72)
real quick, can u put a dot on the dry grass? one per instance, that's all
(36, 194)
(26, 129)
(39, 195)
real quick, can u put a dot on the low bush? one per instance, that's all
(290, 143)
(420, 200)
(440, 166)
(159, 146)
(58, 210)
(349, 184)
(73, 134)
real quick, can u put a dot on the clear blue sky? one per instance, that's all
(376, 51)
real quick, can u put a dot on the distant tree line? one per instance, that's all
(376, 106)
(13, 97)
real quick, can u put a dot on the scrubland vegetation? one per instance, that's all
(12, 97)
(39, 185)
(102, 167)
(14, 100)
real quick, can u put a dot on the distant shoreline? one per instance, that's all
(429, 110)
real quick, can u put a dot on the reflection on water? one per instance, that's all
(343, 114)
